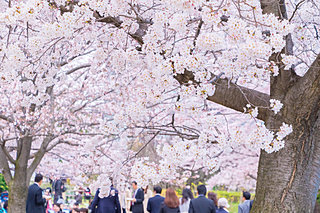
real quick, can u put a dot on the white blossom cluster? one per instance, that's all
(275, 105)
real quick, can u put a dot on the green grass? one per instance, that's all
(233, 208)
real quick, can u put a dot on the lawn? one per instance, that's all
(233, 208)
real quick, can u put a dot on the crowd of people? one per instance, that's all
(50, 200)
(137, 200)
(142, 201)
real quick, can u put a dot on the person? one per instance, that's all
(5, 205)
(61, 202)
(75, 210)
(147, 194)
(49, 205)
(109, 203)
(213, 196)
(58, 188)
(201, 204)
(245, 206)
(124, 195)
(3, 209)
(128, 197)
(57, 208)
(223, 205)
(87, 194)
(76, 205)
(35, 201)
(83, 210)
(171, 202)
(138, 197)
(187, 196)
(154, 203)
(78, 197)
(4, 196)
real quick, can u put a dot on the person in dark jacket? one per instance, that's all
(35, 201)
(154, 203)
(108, 204)
(138, 197)
(58, 188)
(202, 204)
(171, 202)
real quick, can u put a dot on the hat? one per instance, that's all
(223, 202)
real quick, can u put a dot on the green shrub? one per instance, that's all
(3, 185)
(232, 197)
(179, 191)
(318, 197)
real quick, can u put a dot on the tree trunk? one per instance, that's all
(18, 195)
(288, 180)
(18, 186)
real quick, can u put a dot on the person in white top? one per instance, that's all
(147, 194)
(124, 195)
(185, 200)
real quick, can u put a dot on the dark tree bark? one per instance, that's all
(19, 183)
(18, 193)
(288, 181)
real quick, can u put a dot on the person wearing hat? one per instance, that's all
(223, 205)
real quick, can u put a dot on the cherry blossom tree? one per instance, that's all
(131, 70)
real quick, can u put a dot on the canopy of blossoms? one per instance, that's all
(111, 76)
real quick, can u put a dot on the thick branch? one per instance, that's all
(306, 92)
(43, 150)
(39, 155)
(78, 68)
(233, 96)
(275, 7)
(4, 166)
(286, 78)
(138, 35)
(7, 154)
(60, 142)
